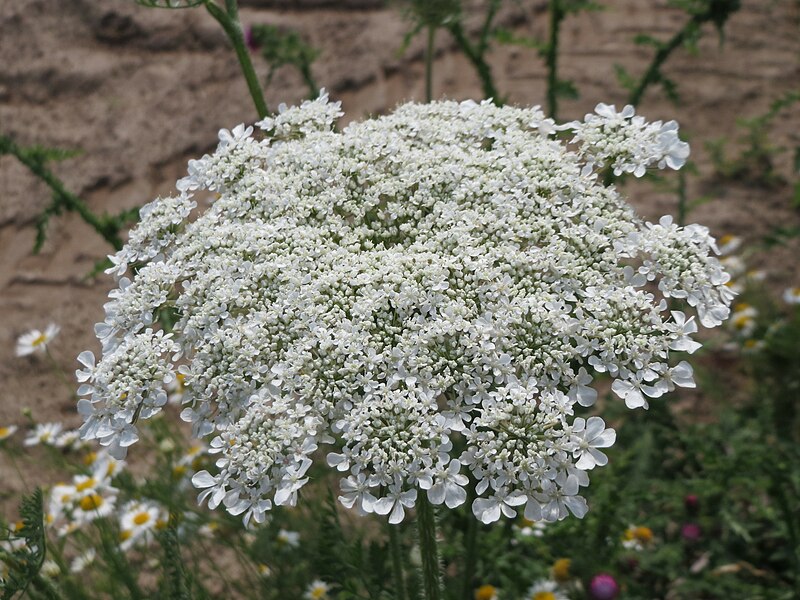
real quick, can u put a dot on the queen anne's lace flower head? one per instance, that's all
(421, 296)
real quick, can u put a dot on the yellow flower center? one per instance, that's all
(178, 471)
(89, 459)
(561, 569)
(318, 593)
(92, 502)
(4, 431)
(85, 485)
(486, 592)
(141, 518)
(726, 238)
(39, 340)
(125, 534)
(742, 321)
(750, 343)
(544, 596)
(161, 524)
(643, 534)
(19, 525)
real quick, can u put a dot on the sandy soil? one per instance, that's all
(141, 91)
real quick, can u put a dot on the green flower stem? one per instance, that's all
(470, 549)
(431, 574)
(653, 73)
(46, 588)
(477, 54)
(683, 200)
(429, 64)
(229, 20)
(397, 563)
(557, 15)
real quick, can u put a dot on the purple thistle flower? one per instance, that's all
(603, 587)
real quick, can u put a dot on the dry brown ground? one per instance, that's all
(141, 91)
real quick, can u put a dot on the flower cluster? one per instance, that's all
(452, 272)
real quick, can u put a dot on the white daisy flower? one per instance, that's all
(743, 319)
(138, 522)
(44, 433)
(546, 589)
(50, 569)
(792, 295)
(70, 440)
(289, 538)
(728, 243)
(7, 431)
(94, 506)
(318, 590)
(80, 562)
(35, 340)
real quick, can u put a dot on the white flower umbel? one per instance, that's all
(449, 272)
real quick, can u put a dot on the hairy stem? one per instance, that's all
(229, 20)
(470, 550)
(556, 16)
(429, 64)
(653, 73)
(431, 574)
(397, 563)
(477, 54)
(683, 204)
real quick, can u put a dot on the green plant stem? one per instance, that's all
(397, 563)
(46, 588)
(62, 197)
(229, 20)
(308, 78)
(551, 58)
(429, 64)
(470, 550)
(477, 54)
(683, 206)
(431, 573)
(118, 562)
(653, 73)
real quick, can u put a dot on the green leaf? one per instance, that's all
(644, 39)
(624, 78)
(566, 89)
(670, 89)
(24, 563)
(174, 582)
(505, 36)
